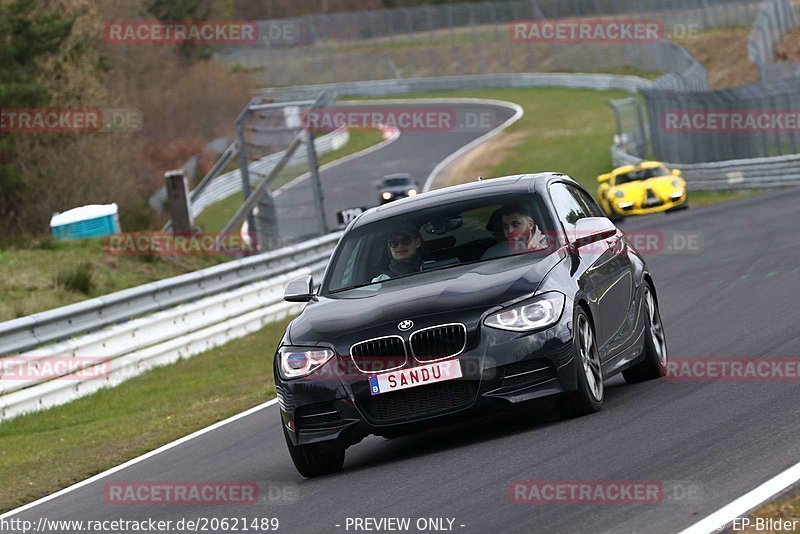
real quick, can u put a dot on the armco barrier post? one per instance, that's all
(178, 197)
(316, 186)
(244, 165)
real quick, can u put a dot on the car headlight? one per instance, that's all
(676, 183)
(533, 314)
(412, 192)
(386, 195)
(296, 362)
(619, 193)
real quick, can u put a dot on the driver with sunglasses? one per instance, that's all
(405, 245)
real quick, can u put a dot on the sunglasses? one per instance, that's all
(397, 241)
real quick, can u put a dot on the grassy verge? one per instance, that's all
(57, 273)
(215, 217)
(43, 452)
(783, 508)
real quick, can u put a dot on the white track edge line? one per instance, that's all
(138, 459)
(741, 506)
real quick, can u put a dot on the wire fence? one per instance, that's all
(750, 121)
(774, 20)
(479, 38)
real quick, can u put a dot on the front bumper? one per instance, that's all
(621, 208)
(499, 368)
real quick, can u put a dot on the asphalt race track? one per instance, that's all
(731, 292)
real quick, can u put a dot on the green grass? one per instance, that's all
(215, 217)
(43, 452)
(56, 273)
(785, 508)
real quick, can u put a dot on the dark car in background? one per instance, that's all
(464, 299)
(396, 186)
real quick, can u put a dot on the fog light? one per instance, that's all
(625, 205)
(676, 195)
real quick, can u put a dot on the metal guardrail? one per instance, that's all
(91, 315)
(139, 344)
(452, 83)
(737, 174)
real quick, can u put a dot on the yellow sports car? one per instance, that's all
(648, 187)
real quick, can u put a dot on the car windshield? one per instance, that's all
(640, 174)
(441, 237)
(390, 182)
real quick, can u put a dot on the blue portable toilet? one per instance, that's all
(86, 221)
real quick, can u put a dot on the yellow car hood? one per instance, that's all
(661, 186)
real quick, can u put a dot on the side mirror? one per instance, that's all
(676, 172)
(603, 178)
(300, 289)
(591, 229)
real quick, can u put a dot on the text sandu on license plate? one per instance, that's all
(415, 376)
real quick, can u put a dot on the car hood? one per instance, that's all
(657, 184)
(478, 286)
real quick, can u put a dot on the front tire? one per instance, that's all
(588, 398)
(316, 459)
(654, 364)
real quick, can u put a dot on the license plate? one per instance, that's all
(415, 376)
(651, 202)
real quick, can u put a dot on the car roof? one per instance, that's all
(397, 175)
(521, 183)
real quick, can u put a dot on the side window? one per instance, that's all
(587, 202)
(568, 209)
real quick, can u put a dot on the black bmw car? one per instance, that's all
(461, 300)
(396, 186)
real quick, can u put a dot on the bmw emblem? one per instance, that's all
(405, 325)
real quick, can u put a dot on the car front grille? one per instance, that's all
(528, 373)
(438, 342)
(420, 401)
(651, 199)
(380, 354)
